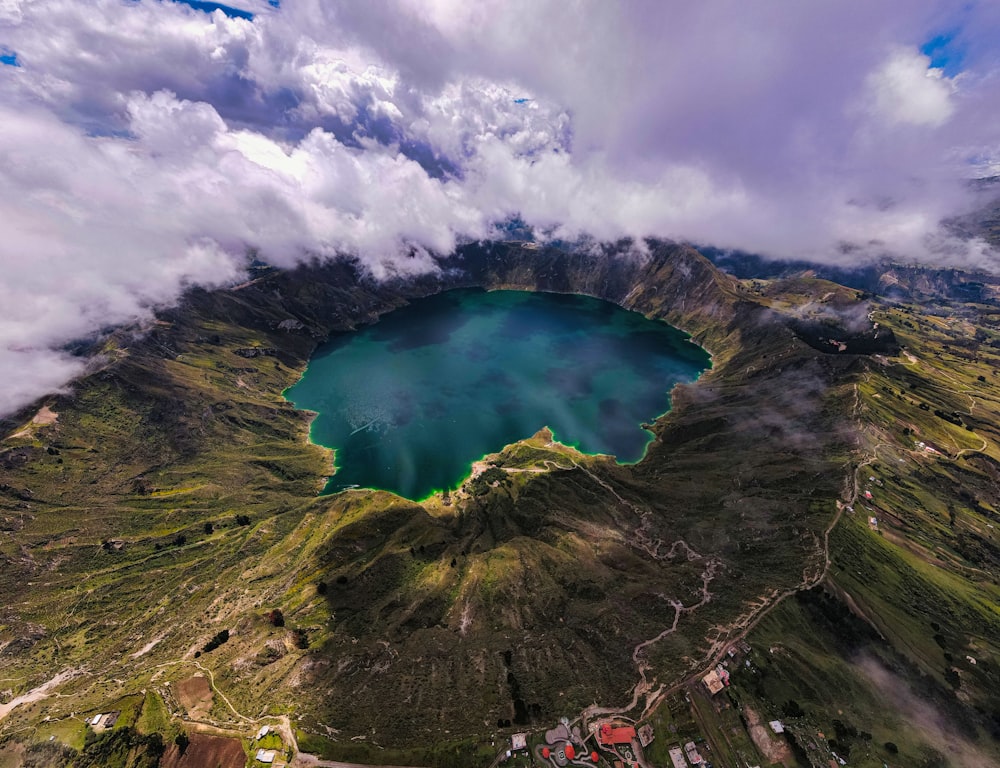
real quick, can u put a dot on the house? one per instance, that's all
(264, 730)
(266, 756)
(776, 726)
(646, 735)
(677, 758)
(692, 754)
(97, 718)
(713, 682)
(518, 741)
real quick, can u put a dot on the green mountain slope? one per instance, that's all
(172, 502)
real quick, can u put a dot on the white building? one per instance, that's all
(677, 758)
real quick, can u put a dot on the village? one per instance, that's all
(687, 730)
(709, 722)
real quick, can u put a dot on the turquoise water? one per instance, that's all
(410, 402)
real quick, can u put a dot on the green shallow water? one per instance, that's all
(410, 402)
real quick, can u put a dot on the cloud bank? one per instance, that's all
(145, 145)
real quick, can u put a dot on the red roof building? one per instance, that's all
(608, 735)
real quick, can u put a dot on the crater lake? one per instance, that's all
(408, 403)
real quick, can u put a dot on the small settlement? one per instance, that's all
(270, 750)
(619, 742)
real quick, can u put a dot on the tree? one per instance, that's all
(793, 709)
(220, 638)
(182, 742)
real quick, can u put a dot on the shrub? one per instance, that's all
(215, 642)
(793, 709)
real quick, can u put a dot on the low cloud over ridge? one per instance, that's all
(145, 145)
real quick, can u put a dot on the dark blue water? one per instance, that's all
(410, 402)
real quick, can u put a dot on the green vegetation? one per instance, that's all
(910, 605)
(448, 754)
(154, 717)
(120, 748)
(174, 503)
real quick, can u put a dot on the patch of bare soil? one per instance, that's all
(774, 749)
(205, 751)
(195, 695)
(11, 755)
(45, 415)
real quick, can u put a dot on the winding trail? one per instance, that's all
(642, 539)
(206, 725)
(742, 626)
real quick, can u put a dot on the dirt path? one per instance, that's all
(211, 681)
(204, 724)
(308, 761)
(642, 539)
(743, 625)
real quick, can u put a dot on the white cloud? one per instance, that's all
(907, 90)
(10, 11)
(145, 145)
(97, 231)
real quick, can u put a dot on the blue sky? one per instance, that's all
(230, 11)
(946, 52)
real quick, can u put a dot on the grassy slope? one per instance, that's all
(556, 575)
(885, 649)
